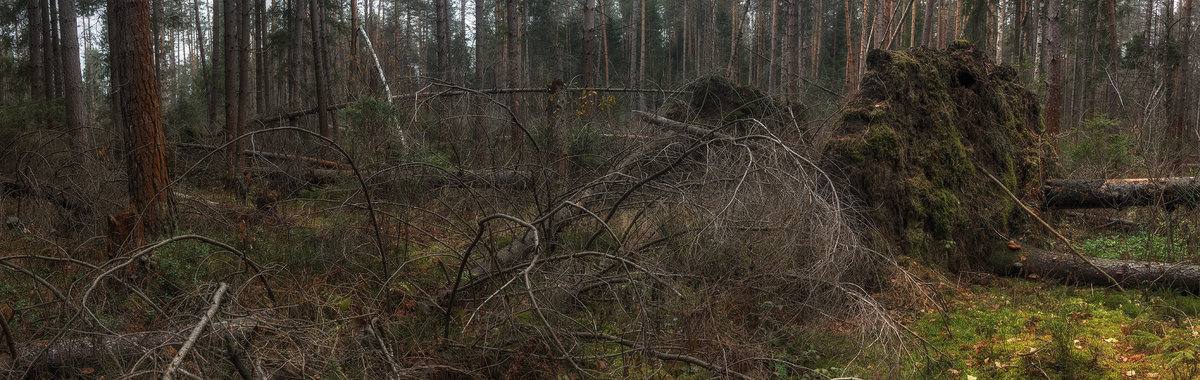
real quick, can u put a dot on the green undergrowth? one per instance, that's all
(1140, 245)
(1025, 329)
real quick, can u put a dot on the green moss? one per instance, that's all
(882, 143)
(912, 142)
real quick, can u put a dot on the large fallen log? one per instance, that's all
(1121, 193)
(1030, 261)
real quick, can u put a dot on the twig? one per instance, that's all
(666, 356)
(195, 335)
(386, 352)
(1052, 230)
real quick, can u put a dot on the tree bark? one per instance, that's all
(319, 67)
(210, 99)
(73, 82)
(296, 26)
(232, 124)
(587, 66)
(927, 26)
(513, 58)
(142, 114)
(35, 49)
(1054, 69)
(642, 56)
(1121, 193)
(1029, 261)
(848, 79)
(442, 35)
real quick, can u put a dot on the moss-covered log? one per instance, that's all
(1121, 193)
(1030, 261)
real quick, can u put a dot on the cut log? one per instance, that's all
(1121, 193)
(1030, 261)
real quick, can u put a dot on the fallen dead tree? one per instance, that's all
(1121, 193)
(96, 349)
(274, 155)
(1030, 261)
(498, 178)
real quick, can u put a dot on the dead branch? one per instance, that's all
(725, 371)
(195, 335)
(279, 156)
(694, 130)
(1121, 193)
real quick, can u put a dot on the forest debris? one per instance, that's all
(280, 156)
(911, 143)
(1121, 193)
(94, 350)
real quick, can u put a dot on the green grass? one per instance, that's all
(1136, 246)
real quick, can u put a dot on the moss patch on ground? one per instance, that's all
(1027, 329)
(912, 143)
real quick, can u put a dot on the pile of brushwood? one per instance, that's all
(917, 144)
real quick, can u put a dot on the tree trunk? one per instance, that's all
(141, 113)
(442, 35)
(262, 89)
(773, 66)
(319, 67)
(1054, 69)
(1114, 55)
(513, 60)
(587, 66)
(848, 80)
(642, 57)
(927, 26)
(210, 99)
(1029, 261)
(73, 82)
(35, 49)
(1182, 98)
(238, 162)
(1121, 193)
(295, 33)
(479, 38)
(48, 60)
(232, 124)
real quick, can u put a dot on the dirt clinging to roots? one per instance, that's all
(914, 144)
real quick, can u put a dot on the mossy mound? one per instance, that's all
(717, 101)
(911, 145)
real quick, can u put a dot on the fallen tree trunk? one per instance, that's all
(1121, 193)
(1030, 261)
(484, 178)
(94, 350)
(280, 156)
(694, 130)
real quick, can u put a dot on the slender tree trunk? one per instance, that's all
(587, 66)
(232, 124)
(774, 64)
(1114, 54)
(55, 65)
(133, 61)
(73, 82)
(1182, 99)
(319, 67)
(1054, 68)
(642, 57)
(513, 44)
(479, 38)
(210, 101)
(604, 41)
(295, 32)
(818, 30)
(35, 49)
(631, 35)
(49, 62)
(848, 80)
(262, 90)
(927, 26)
(218, 64)
(442, 35)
